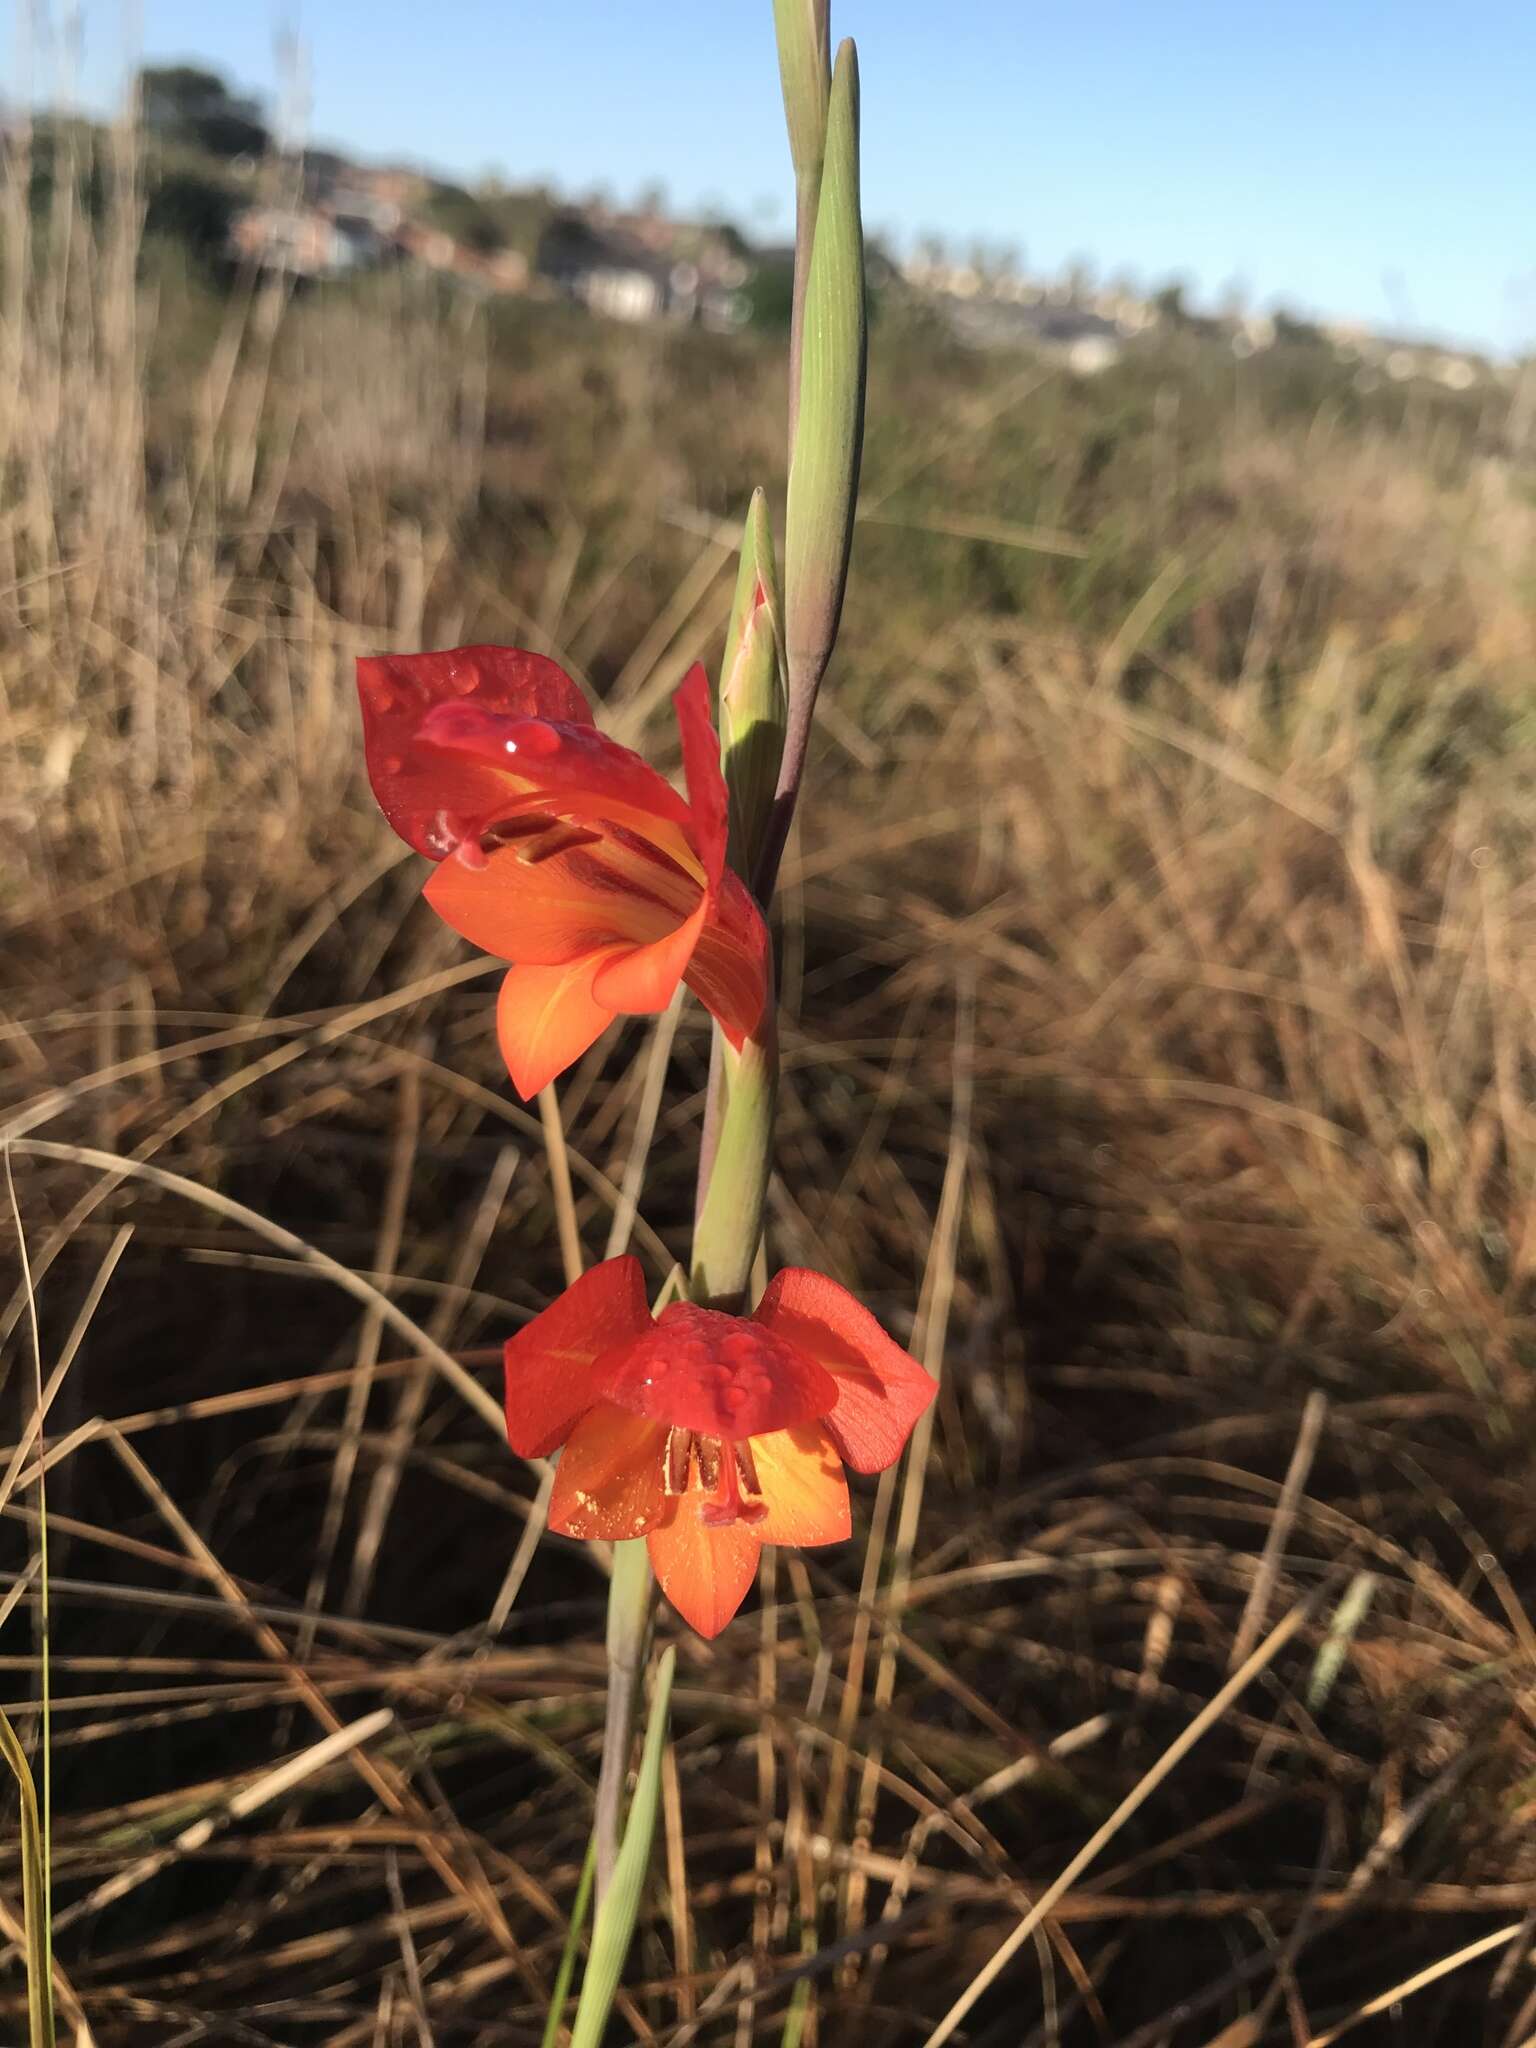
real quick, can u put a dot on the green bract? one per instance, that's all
(753, 691)
(824, 462)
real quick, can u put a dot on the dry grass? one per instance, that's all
(1158, 957)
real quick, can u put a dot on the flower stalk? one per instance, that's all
(629, 1627)
(691, 1435)
(729, 1227)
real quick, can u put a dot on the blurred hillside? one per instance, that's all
(1156, 954)
(222, 189)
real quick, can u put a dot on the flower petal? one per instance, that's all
(609, 1483)
(705, 1572)
(803, 1487)
(881, 1390)
(730, 965)
(644, 979)
(549, 1363)
(722, 1375)
(546, 1017)
(398, 690)
(705, 778)
(546, 912)
(573, 771)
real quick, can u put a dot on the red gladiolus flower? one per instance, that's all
(708, 1434)
(562, 851)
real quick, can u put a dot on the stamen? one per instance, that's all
(708, 1448)
(679, 1455)
(746, 1465)
(558, 839)
(521, 825)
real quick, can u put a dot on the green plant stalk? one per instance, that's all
(730, 1215)
(619, 1909)
(629, 1621)
(776, 654)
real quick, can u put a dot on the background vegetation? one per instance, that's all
(1157, 964)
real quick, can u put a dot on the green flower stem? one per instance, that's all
(776, 654)
(629, 1621)
(730, 1217)
(614, 1928)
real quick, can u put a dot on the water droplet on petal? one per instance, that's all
(464, 681)
(392, 764)
(538, 738)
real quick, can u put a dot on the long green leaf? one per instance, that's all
(829, 432)
(34, 1895)
(568, 1954)
(804, 34)
(616, 1916)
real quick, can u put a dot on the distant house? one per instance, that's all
(361, 226)
(305, 241)
(1086, 341)
(610, 272)
(644, 269)
(495, 270)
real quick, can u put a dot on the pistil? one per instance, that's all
(726, 1470)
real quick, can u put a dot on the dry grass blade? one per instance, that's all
(1419, 1981)
(250, 1799)
(208, 1198)
(1258, 1660)
(1308, 1436)
(35, 1909)
(560, 1184)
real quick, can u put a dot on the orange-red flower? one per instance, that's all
(708, 1434)
(561, 850)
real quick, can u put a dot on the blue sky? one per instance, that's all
(1370, 159)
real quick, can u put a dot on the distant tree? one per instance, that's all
(932, 252)
(193, 210)
(519, 218)
(770, 293)
(727, 232)
(468, 219)
(652, 199)
(183, 103)
(1168, 303)
(1009, 261)
(1295, 332)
